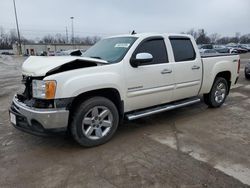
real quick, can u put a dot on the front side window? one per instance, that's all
(183, 49)
(111, 49)
(157, 48)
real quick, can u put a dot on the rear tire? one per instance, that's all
(218, 93)
(94, 122)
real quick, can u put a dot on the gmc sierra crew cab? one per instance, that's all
(120, 77)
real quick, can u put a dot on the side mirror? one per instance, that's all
(141, 58)
(76, 53)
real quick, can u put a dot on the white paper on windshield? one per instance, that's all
(122, 45)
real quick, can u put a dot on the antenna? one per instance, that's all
(133, 32)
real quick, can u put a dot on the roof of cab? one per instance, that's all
(145, 35)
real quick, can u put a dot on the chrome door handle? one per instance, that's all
(195, 67)
(166, 71)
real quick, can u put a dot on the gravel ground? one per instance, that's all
(190, 147)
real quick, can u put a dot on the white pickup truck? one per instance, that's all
(128, 76)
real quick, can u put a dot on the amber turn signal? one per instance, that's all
(50, 89)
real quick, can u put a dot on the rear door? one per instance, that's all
(187, 68)
(150, 83)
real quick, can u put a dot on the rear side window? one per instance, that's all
(157, 48)
(183, 49)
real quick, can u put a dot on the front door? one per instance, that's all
(150, 83)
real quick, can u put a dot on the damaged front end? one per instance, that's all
(38, 116)
(31, 100)
(27, 97)
(34, 111)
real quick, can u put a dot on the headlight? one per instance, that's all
(43, 89)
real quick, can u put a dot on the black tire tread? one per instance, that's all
(209, 98)
(78, 114)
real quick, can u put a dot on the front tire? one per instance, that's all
(218, 93)
(94, 122)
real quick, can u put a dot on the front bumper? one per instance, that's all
(38, 121)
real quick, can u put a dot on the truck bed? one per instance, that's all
(218, 62)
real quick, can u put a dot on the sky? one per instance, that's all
(110, 17)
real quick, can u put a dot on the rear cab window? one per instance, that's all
(182, 48)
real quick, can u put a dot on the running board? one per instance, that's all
(155, 110)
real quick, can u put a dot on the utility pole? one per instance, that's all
(67, 37)
(72, 25)
(17, 27)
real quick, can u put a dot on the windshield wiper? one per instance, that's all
(95, 57)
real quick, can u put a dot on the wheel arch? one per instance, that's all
(227, 76)
(110, 93)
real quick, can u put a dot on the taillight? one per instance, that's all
(238, 71)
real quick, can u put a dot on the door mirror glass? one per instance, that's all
(141, 58)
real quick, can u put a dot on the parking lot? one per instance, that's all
(193, 146)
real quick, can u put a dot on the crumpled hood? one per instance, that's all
(39, 66)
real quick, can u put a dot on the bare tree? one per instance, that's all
(245, 39)
(202, 37)
(214, 37)
(60, 39)
(48, 39)
(7, 38)
(193, 33)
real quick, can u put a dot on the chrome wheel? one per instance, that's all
(97, 122)
(220, 92)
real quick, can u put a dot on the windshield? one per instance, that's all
(111, 49)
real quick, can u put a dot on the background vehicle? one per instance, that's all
(43, 53)
(237, 49)
(51, 53)
(206, 46)
(209, 48)
(221, 49)
(127, 76)
(7, 53)
(245, 46)
(74, 52)
(208, 51)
